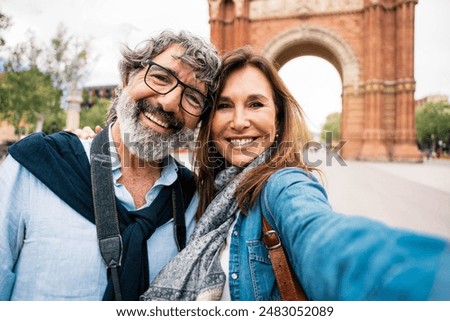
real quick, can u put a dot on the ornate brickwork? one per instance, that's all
(371, 44)
(263, 9)
(306, 35)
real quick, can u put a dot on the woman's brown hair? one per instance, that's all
(286, 151)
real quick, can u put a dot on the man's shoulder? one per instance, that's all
(40, 142)
(45, 155)
(9, 167)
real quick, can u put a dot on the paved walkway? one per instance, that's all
(412, 196)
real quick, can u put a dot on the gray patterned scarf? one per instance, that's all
(195, 273)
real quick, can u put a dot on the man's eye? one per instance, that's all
(159, 78)
(194, 99)
(222, 106)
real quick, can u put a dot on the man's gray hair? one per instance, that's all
(200, 55)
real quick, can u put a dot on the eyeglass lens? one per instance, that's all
(162, 81)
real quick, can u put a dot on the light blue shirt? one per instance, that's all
(50, 252)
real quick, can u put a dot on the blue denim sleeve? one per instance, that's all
(340, 257)
(11, 228)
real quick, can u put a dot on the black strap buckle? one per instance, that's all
(111, 250)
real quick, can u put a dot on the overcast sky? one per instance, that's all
(313, 81)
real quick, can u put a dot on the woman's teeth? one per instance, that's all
(156, 120)
(241, 142)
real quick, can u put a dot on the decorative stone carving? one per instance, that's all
(239, 7)
(214, 6)
(262, 9)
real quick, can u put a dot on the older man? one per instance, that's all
(48, 235)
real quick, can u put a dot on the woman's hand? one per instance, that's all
(86, 132)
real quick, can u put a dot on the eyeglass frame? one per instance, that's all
(150, 63)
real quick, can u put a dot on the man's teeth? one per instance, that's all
(241, 142)
(156, 120)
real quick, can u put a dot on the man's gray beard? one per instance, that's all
(144, 142)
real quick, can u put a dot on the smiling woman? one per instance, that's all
(244, 124)
(250, 167)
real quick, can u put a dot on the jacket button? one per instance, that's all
(234, 276)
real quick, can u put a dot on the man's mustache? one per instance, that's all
(169, 118)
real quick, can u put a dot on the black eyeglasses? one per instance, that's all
(163, 81)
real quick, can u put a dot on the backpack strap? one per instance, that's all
(185, 188)
(288, 283)
(179, 224)
(106, 217)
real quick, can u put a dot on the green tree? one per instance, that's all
(27, 96)
(5, 23)
(55, 121)
(25, 55)
(433, 125)
(65, 60)
(95, 115)
(333, 125)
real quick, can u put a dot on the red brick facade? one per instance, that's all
(371, 44)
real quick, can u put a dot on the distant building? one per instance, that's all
(419, 103)
(106, 91)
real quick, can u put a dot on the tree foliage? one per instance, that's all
(25, 55)
(95, 115)
(5, 23)
(333, 125)
(55, 122)
(433, 124)
(67, 60)
(27, 95)
(58, 67)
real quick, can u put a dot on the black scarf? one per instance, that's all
(60, 162)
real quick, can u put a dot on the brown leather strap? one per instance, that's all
(287, 282)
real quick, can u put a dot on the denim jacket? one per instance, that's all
(336, 257)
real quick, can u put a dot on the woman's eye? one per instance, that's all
(256, 104)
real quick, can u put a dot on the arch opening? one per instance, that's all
(316, 84)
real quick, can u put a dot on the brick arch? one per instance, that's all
(371, 44)
(315, 41)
